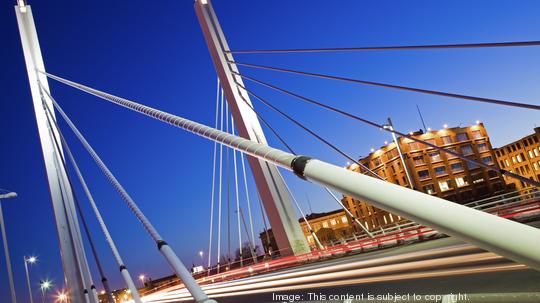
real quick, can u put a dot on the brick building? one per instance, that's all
(431, 171)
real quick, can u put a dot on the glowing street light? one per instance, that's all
(141, 278)
(44, 285)
(62, 297)
(29, 260)
(201, 253)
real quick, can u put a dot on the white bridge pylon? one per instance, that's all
(270, 185)
(76, 270)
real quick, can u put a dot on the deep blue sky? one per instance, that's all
(154, 52)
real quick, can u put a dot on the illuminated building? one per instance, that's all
(521, 157)
(329, 227)
(431, 171)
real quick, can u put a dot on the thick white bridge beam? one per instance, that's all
(74, 262)
(270, 184)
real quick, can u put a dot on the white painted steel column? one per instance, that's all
(270, 185)
(34, 61)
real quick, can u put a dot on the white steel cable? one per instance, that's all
(220, 185)
(311, 231)
(180, 270)
(248, 201)
(213, 185)
(228, 175)
(355, 219)
(481, 229)
(123, 269)
(237, 199)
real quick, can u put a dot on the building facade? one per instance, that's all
(521, 157)
(431, 171)
(329, 227)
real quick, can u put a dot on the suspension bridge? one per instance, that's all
(494, 237)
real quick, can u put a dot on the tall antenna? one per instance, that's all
(421, 118)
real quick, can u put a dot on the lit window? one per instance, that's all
(310, 239)
(531, 155)
(482, 147)
(476, 134)
(514, 160)
(478, 180)
(446, 139)
(325, 224)
(435, 156)
(466, 149)
(537, 152)
(461, 182)
(462, 137)
(443, 185)
(423, 174)
(344, 219)
(535, 165)
(506, 162)
(333, 222)
(429, 189)
(518, 157)
(440, 170)
(456, 166)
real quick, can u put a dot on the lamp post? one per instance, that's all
(28, 260)
(6, 250)
(142, 277)
(44, 285)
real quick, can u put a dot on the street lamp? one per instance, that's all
(44, 285)
(142, 277)
(62, 297)
(29, 260)
(201, 253)
(6, 251)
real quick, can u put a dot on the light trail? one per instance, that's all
(444, 272)
(328, 268)
(435, 263)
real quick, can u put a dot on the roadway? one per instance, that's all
(441, 266)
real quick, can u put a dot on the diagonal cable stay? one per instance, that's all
(482, 229)
(170, 256)
(380, 126)
(385, 48)
(392, 86)
(307, 129)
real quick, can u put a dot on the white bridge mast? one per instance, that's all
(76, 271)
(270, 184)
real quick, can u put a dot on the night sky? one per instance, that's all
(154, 53)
